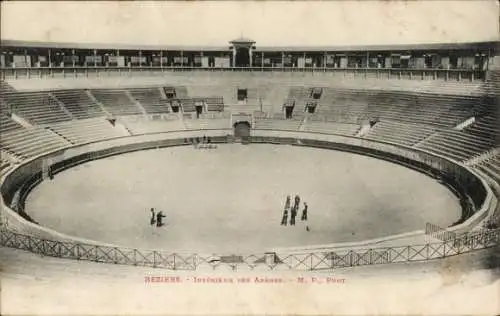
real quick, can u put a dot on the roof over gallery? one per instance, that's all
(493, 45)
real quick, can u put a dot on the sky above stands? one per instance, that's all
(325, 23)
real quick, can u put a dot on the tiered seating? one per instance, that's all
(455, 144)
(79, 103)
(445, 111)
(214, 104)
(6, 124)
(4, 163)
(331, 128)
(204, 123)
(6, 88)
(181, 92)
(86, 131)
(300, 94)
(406, 134)
(37, 107)
(187, 105)
(276, 97)
(491, 167)
(273, 124)
(151, 100)
(31, 142)
(430, 109)
(344, 105)
(116, 102)
(492, 84)
(486, 127)
(155, 126)
(298, 114)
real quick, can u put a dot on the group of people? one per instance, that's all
(293, 211)
(157, 218)
(199, 141)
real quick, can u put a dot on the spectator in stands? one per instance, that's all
(304, 212)
(204, 139)
(284, 219)
(209, 140)
(159, 219)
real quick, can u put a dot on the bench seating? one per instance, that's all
(31, 142)
(116, 102)
(79, 103)
(86, 131)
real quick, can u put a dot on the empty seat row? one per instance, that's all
(79, 103)
(273, 124)
(86, 131)
(203, 123)
(116, 102)
(331, 128)
(151, 99)
(155, 126)
(455, 144)
(406, 134)
(7, 124)
(491, 167)
(36, 107)
(31, 142)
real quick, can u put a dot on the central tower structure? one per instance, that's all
(242, 49)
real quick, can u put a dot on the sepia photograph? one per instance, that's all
(250, 157)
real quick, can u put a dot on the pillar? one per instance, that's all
(95, 57)
(282, 59)
(234, 56)
(26, 58)
(250, 55)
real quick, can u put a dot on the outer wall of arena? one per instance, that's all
(477, 199)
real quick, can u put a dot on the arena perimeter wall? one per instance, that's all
(17, 184)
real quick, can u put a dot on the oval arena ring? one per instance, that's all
(388, 174)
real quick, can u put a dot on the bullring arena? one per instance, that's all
(397, 163)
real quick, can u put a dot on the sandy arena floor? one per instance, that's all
(231, 199)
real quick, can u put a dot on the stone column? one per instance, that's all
(234, 56)
(250, 55)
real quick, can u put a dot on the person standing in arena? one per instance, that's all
(293, 214)
(287, 202)
(284, 219)
(304, 212)
(297, 202)
(152, 221)
(159, 219)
